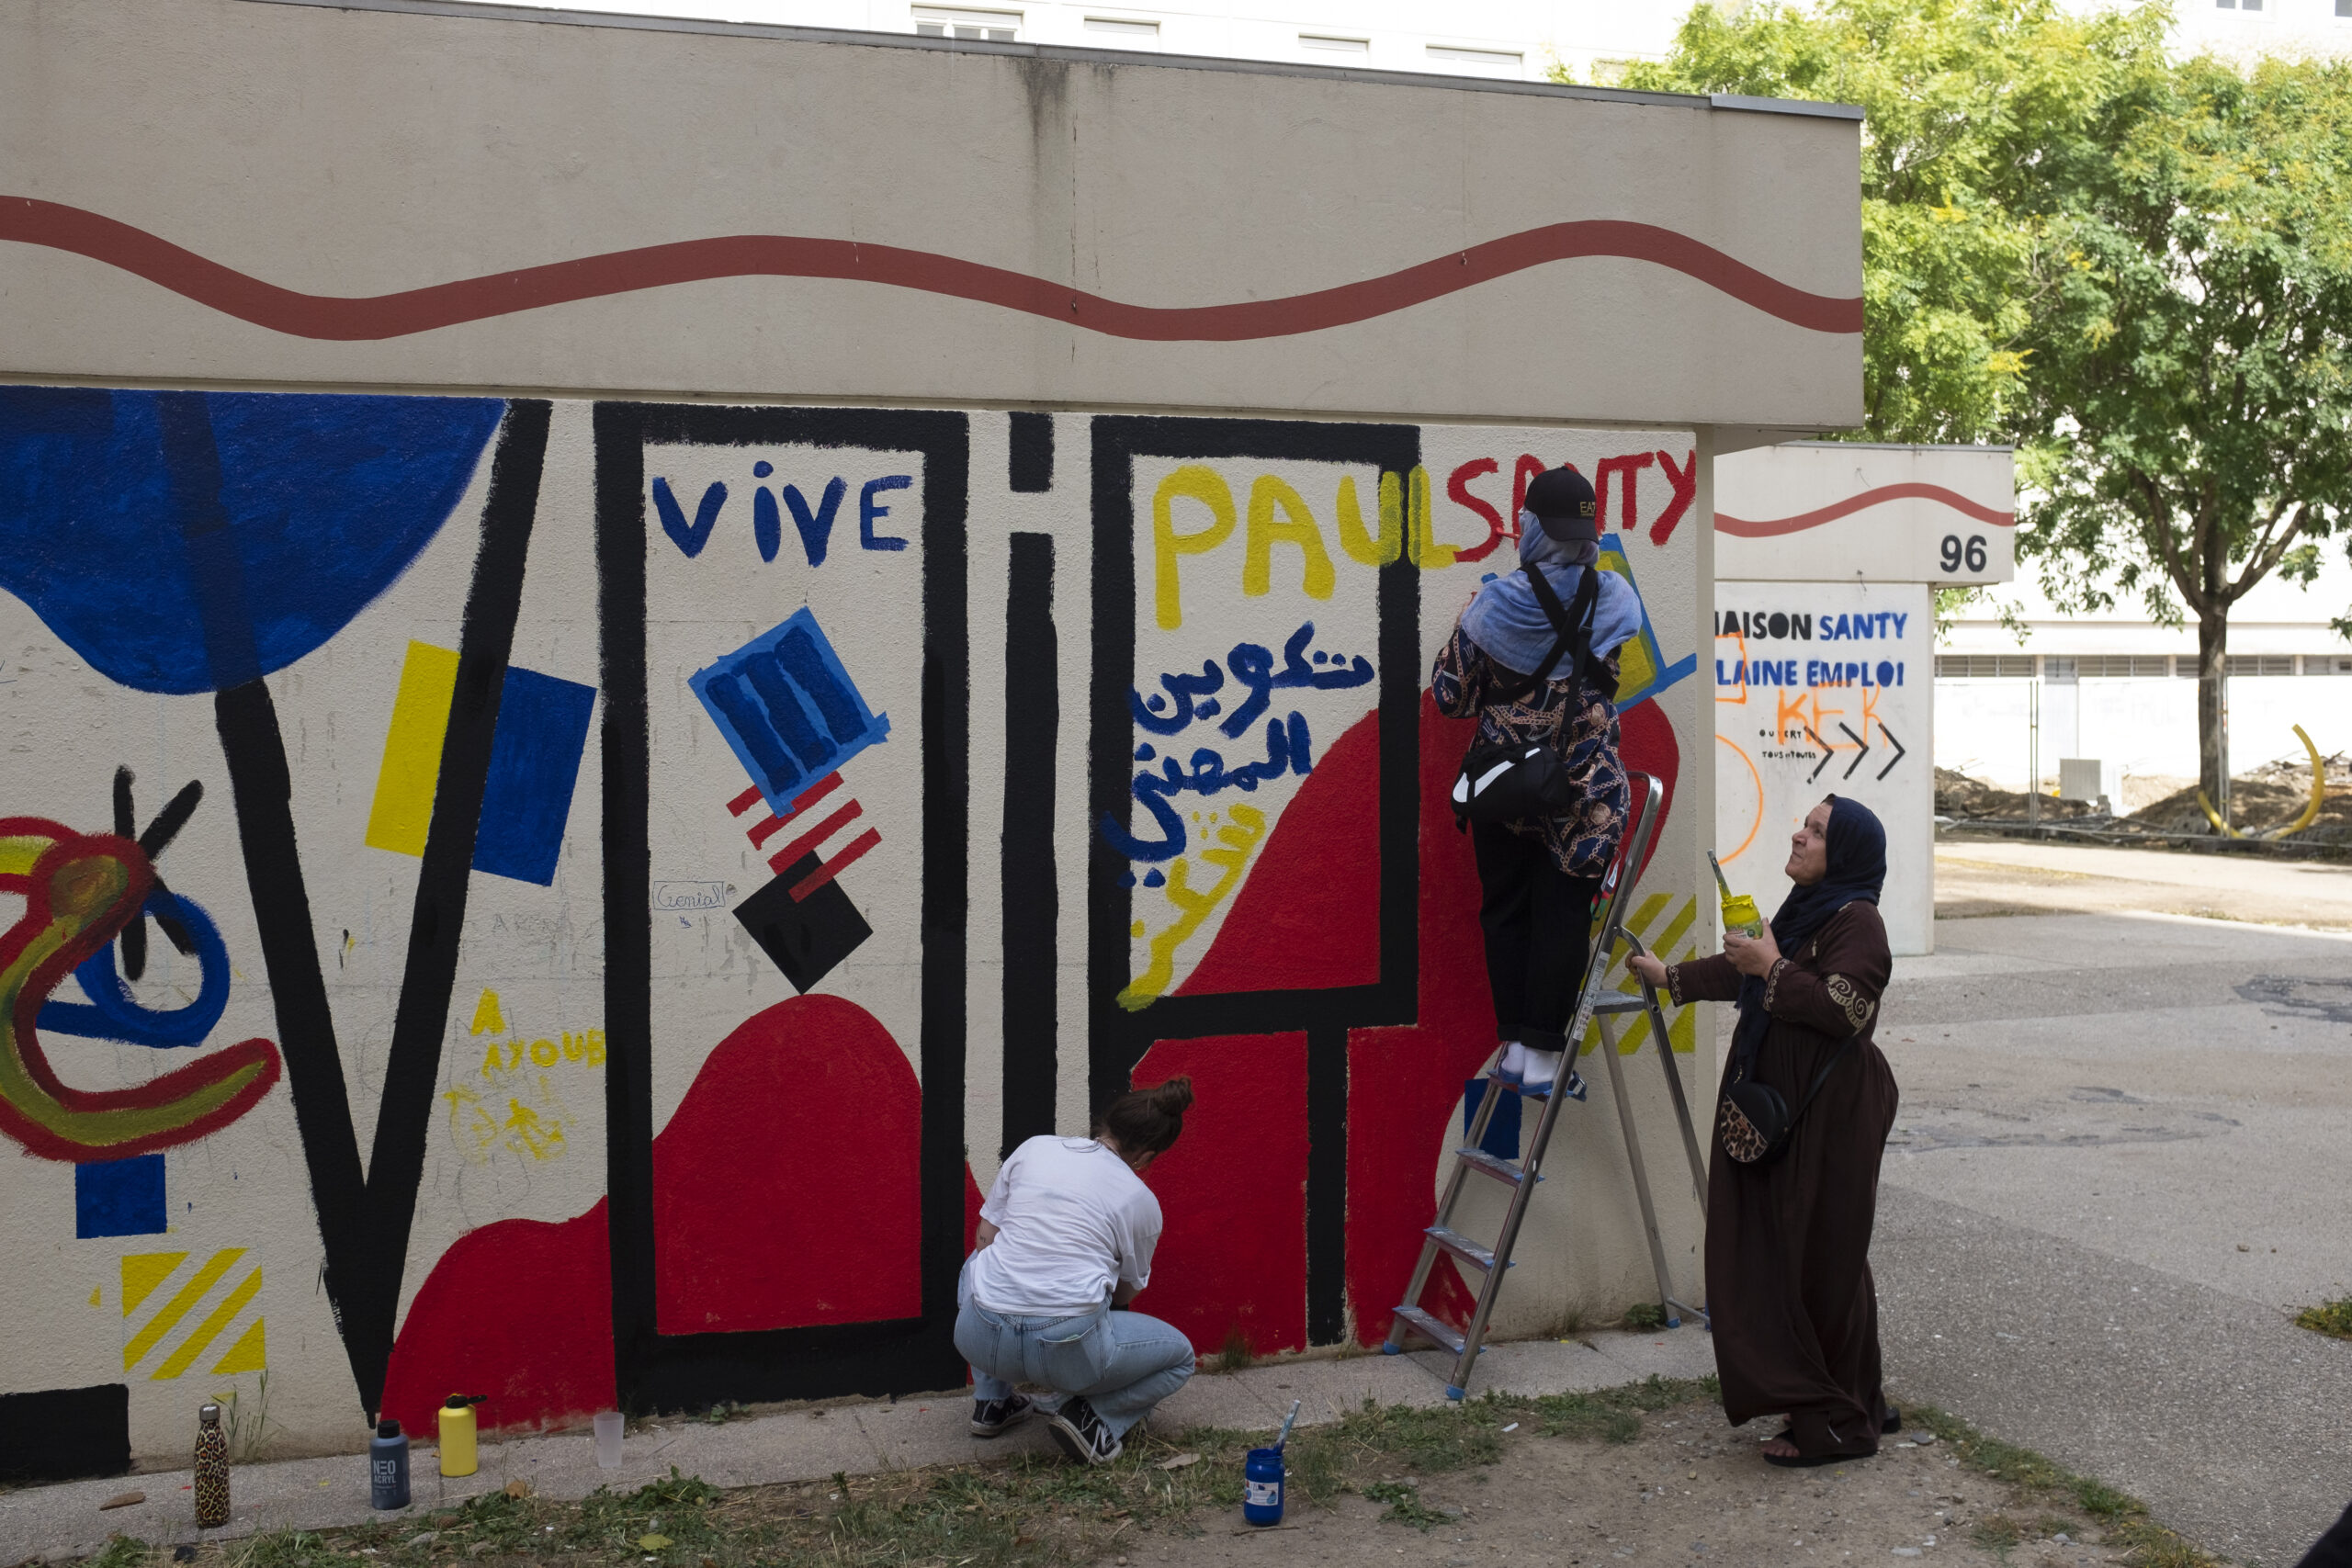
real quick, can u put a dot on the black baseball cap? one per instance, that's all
(1563, 505)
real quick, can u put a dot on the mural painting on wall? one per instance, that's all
(599, 783)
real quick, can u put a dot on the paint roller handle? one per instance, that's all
(1288, 1423)
(1719, 873)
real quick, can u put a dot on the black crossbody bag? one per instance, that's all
(1755, 1123)
(1520, 780)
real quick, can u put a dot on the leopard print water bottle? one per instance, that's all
(211, 1468)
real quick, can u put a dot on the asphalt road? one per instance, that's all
(2119, 1168)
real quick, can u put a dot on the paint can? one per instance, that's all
(388, 1466)
(1261, 1486)
(460, 1454)
(1741, 915)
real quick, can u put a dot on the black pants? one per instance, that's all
(2332, 1549)
(1538, 923)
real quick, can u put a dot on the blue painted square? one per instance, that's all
(1502, 1128)
(788, 709)
(119, 1197)
(533, 763)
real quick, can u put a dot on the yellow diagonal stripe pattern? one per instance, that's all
(201, 1337)
(204, 1299)
(412, 770)
(1681, 1027)
(168, 1315)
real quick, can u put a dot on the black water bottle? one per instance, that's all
(388, 1466)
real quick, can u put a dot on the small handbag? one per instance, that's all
(1754, 1124)
(1515, 781)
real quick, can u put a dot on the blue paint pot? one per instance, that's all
(1261, 1487)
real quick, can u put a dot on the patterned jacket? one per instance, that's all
(1584, 732)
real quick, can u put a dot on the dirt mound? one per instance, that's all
(1963, 798)
(2269, 796)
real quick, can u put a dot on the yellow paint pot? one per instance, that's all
(458, 1453)
(1740, 914)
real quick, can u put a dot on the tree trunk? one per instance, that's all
(2214, 708)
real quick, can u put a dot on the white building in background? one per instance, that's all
(2120, 687)
(1511, 40)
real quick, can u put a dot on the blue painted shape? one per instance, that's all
(1502, 1128)
(533, 764)
(790, 711)
(816, 527)
(690, 537)
(119, 1197)
(112, 1014)
(168, 579)
(870, 510)
(767, 524)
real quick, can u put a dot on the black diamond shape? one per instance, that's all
(807, 938)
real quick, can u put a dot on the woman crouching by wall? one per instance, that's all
(1064, 1242)
(1789, 1289)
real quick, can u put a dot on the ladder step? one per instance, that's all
(1428, 1327)
(1500, 1169)
(1621, 1004)
(1461, 1246)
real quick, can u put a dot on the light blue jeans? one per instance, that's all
(1122, 1362)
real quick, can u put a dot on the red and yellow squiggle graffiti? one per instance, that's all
(79, 890)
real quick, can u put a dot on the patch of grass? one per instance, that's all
(1405, 1504)
(1235, 1355)
(1643, 1318)
(2123, 1519)
(2333, 1318)
(120, 1552)
(725, 1410)
(1998, 1534)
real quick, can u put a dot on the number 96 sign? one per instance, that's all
(1960, 553)
(1853, 512)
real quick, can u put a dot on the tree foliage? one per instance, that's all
(2137, 269)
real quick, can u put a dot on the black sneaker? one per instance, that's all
(992, 1417)
(1080, 1433)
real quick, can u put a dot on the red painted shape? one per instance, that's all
(744, 802)
(1685, 480)
(1308, 915)
(1526, 468)
(521, 1311)
(1631, 466)
(1772, 528)
(1645, 744)
(788, 856)
(760, 1221)
(1458, 488)
(28, 221)
(835, 867)
(62, 868)
(1233, 1192)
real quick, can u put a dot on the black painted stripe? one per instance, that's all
(1027, 870)
(1031, 463)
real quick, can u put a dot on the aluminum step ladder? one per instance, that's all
(1597, 1001)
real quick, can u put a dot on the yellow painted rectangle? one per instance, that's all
(412, 770)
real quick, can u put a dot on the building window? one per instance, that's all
(2123, 666)
(1492, 58)
(2185, 667)
(2261, 664)
(947, 21)
(2328, 663)
(1978, 666)
(2059, 670)
(1335, 45)
(1128, 30)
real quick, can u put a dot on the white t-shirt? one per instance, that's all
(1072, 1221)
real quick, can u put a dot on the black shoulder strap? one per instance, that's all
(1572, 623)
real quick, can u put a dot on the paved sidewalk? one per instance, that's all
(64, 1521)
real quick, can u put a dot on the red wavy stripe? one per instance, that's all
(1740, 527)
(59, 227)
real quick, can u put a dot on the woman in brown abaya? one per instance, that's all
(1789, 1286)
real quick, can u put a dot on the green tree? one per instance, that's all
(2137, 270)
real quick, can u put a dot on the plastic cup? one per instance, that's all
(608, 1439)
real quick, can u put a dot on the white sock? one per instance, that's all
(1514, 1059)
(1541, 1067)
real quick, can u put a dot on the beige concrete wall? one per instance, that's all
(636, 1112)
(362, 152)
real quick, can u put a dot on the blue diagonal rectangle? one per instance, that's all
(533, 764)
(119, 1197)
(790, 711)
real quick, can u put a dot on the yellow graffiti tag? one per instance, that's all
(1234, 842)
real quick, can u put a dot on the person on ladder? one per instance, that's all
(1538, 875)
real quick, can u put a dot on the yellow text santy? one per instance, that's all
(1278, 514)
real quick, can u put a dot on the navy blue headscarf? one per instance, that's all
(1857, 872)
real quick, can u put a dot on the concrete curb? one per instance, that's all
(59, 1523)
